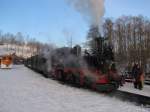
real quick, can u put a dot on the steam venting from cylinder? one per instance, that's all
(91, 10)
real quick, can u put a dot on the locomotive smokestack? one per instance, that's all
(91, 10)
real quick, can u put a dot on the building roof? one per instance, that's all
(5, 51)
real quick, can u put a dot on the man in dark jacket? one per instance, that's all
(135, 74)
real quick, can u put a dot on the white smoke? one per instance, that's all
(91, 10)
(46, 52)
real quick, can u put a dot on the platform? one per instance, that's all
(129, 87)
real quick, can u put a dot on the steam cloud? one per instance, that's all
(91, 10)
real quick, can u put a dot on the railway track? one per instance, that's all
(131, 97)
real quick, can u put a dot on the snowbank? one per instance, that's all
(23, 90)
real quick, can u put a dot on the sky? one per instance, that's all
(50, 20)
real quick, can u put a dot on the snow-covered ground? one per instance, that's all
(128, 87)
(22, 90)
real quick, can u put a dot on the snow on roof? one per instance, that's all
(5, 52)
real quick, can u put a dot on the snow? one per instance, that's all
(23, 90)
(128, 87)
(3, 51)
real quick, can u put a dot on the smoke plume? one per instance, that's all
(91, 10)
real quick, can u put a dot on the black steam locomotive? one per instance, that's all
(93, 69)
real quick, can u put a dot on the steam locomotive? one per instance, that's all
(92, 69)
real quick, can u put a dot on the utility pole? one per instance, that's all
(71, 41)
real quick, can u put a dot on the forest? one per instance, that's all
(129, 36)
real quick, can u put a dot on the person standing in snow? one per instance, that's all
(134, 74)
(140, 78)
